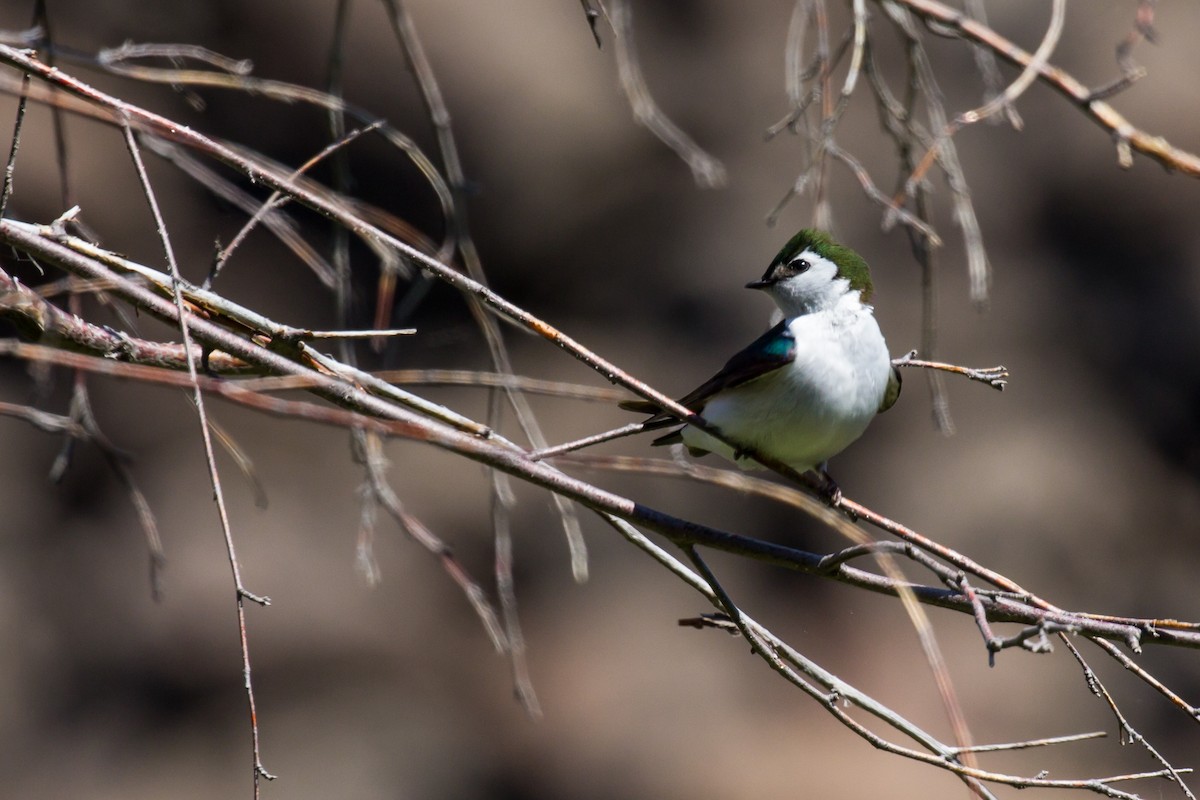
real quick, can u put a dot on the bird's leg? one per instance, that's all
(831, 492)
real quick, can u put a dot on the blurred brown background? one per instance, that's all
(1079, 481)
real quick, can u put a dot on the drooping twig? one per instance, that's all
(406, 33)
(459, 377)
(115, 58)
(985, 60)
(275, 220)
(593, 20)
(218, 494)
(11, 163)
(426, 538)
(1148, 679)
(1128, 137)
(273, 202)
(1128, 732)
(707, 171)
(900, 121)
(923, 82)
(1004, 100)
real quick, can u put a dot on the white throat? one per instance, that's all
(795, 298)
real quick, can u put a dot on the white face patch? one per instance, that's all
(807, 282)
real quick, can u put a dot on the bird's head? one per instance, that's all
(812, 272)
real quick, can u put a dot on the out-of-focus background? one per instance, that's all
(1079, 481)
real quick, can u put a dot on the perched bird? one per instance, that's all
(808, 387)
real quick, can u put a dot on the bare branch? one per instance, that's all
(1128, 137)
(206, 436)
(996, 377)
(707, 171)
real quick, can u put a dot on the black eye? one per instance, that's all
(799, 265)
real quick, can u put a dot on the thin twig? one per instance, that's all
(1009, 96)
(1032, 638)
(506, 590)
(593, 19)
(405, 32)
(273, 202)
(899, 120)
(307, 334)
(996, 377)
(83, 426)
(1128, 137)
(869, 188)
(426, 538)
(1148, 679)
(11, 163)
(707, 171)
(1128, 732)
(1031, 743)
(985, 60)
(281, 226)
(114, 58)
(214, 476)
(588, 441)
(43, 420)
(923, 81)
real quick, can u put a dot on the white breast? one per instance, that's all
(806, 413)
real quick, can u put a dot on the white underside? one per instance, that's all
(810, 411)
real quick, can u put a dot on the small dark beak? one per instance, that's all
(759, 284)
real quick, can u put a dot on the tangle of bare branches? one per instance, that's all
(233, 352)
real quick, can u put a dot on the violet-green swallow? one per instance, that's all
(808, 387)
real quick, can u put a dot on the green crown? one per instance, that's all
(850, 264)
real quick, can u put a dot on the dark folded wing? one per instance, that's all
(892, 394)
(774, 349)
